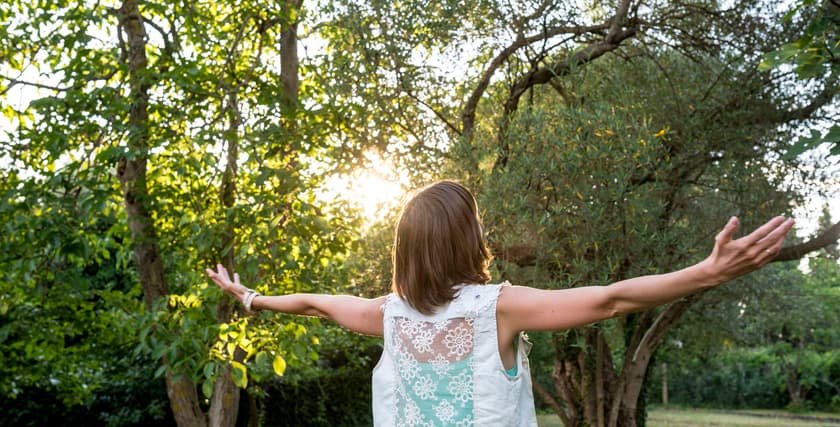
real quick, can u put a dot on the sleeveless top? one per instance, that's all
(445, 369)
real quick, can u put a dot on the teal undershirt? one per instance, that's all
(512, 371)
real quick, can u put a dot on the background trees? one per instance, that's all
(775, 347)
(604, 141)
(183, 126)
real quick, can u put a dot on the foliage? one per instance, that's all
(744, 378)
(231, 160)
(625, 165)
(729, 379)
(813, 54)
(815, 51)
(126, 394)
(779, 339)
(594, 184)
(335, 391)
(68, 309)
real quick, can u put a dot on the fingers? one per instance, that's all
(222, 271)
(728, 231)
(221, 276)
(764, 231)
(768, 246)
(772, 242)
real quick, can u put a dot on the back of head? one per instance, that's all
(439, 243)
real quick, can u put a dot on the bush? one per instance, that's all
(835, 404)
(748, 378)
(733, 379)
(336, 394)
(129, 396)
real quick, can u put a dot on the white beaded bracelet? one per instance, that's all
(249, 298)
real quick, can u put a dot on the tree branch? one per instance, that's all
(549, 400)
(618, 19)
(544, 75)
(829, 236)
(16, 81)
(824, 97)
(437, 113)
(468, 113)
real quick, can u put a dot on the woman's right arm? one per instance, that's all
(360, 315)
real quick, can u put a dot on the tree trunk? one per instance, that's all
(586, 382)
(289, 62)
(796, 391)
(183, 399)
(131, 171)
(224, 408)
(253, 414)
(794, 388)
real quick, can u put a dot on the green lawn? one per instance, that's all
(678, 417)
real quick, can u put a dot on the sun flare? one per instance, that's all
(374, 190)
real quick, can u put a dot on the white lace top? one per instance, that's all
(445, 369)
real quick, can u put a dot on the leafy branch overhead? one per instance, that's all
(814, 54)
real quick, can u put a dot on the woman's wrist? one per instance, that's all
(248, 299)
(708, 274)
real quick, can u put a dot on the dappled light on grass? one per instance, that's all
(661, 417)
(689, 417)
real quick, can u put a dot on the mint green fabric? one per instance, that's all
(443, 393)
(512, 371)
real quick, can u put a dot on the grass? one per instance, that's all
(681, 417)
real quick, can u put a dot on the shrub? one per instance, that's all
(335, 394)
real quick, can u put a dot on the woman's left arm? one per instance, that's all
(523, 308)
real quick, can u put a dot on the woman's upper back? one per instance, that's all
(445, 369)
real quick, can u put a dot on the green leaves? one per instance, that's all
(279, 365)
(207, 388)
(813, 55)
(239, 373)
(814, 140)
(778, 57)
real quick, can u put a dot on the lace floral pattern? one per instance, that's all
(435, 362)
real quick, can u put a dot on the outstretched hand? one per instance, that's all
(223, 279)
(732, 258)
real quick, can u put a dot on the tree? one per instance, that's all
(197, 128)
(618, 186)
(68, 310)
(783, 319)
(704, 137)
(813, 54)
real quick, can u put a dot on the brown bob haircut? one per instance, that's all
(439, 243)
